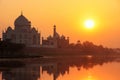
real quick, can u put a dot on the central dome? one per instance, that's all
(21, 20)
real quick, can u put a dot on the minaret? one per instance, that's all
(54, 30)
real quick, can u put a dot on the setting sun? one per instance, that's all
(89, 24)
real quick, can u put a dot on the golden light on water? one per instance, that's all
(90, 78)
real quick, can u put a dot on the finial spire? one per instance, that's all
(21, 12)
(54, 26)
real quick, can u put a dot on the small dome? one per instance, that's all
(62, 37)
(21, 20)
(9, 29)
(33, 29)
(57, 35)
(49, 37)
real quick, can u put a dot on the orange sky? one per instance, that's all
(69, 17)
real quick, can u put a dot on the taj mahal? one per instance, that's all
(24, 33)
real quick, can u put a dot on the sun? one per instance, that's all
(89, 24)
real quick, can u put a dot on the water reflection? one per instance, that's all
(34, 68)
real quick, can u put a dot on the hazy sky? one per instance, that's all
(69, 16)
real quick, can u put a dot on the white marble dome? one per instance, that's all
(21, 20)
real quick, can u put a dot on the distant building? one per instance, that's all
(55, 41)
(22, 33)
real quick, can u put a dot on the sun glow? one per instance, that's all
(89, 24)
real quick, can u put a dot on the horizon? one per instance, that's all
(68, 18)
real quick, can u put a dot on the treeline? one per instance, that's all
(89, 47)
(13, 50)
(10, 50)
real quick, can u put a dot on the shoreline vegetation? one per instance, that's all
(13, 50)
(18, 55)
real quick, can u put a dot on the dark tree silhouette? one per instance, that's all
(10, 50)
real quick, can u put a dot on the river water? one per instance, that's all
(65, 68)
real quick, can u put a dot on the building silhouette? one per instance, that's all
(22, 33)
(55, 41)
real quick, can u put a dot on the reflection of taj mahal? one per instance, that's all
(25, 34)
